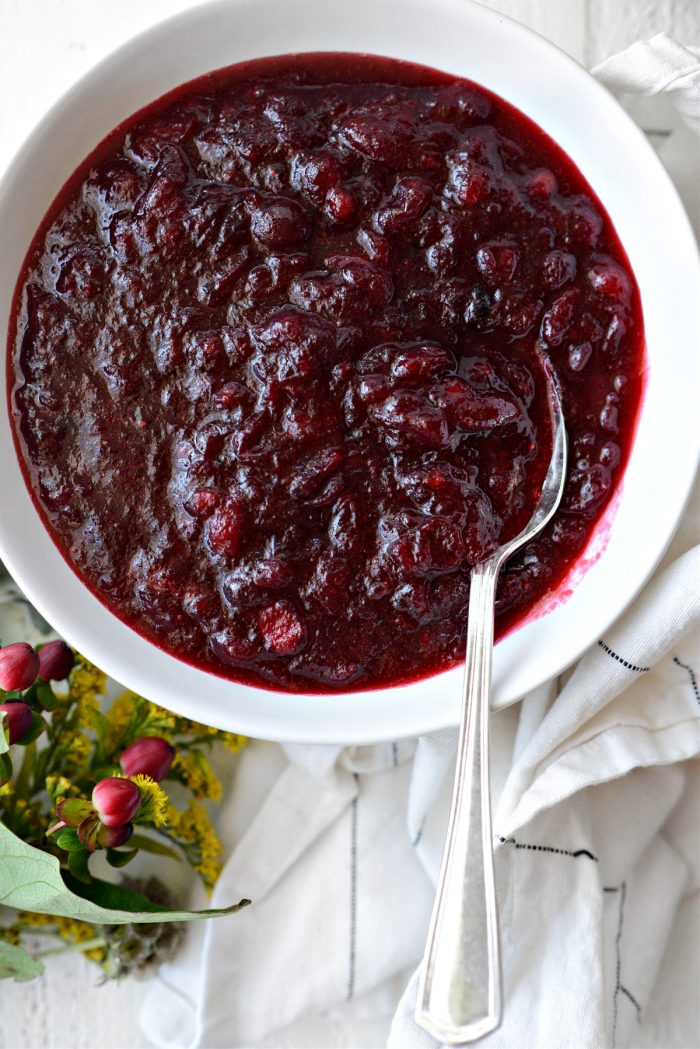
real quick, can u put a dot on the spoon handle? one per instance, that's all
(459, 999)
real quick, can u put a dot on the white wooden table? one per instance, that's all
(44, 46)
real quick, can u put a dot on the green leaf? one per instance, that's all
(201, 762)
(45, 695)
(74, 810)
(103, 771)
(119, 857)
(101, 725)
(140, 841)
(114, 897)
(4, 743)
(18, 964)
(30, 880)
(28, 696)
(118, 899)
(78, 865)
(5, 765)
(68, 839)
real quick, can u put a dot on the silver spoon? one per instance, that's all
(460, 994)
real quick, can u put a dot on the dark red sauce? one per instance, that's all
(274, 366)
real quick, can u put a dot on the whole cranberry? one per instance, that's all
(225, 530)
(18, 720)
(19, 666)
(284, 632)
(56, 661)
(116, 800)
(280, 223)
(151, 756)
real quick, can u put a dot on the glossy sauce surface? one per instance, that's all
(275, 372)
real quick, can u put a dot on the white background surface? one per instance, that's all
(44, 46)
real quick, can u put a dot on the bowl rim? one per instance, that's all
(334, 717)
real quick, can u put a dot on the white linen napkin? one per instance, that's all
(598, 855)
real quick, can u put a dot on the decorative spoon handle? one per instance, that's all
(460, 992)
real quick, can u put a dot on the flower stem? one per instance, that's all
(86, 945)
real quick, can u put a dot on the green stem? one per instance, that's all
(40, 769)
(86, 945)
(34, 930)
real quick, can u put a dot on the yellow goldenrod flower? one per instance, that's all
(233, 742)
(33, 919)
(160, 717)
(197, 775)
(176, 822)
(119, 715)
(86, 709)
(71, 930)
(210, 847)
(193, 829)
(58, 787)
(154, 801)
(78, 749)
(210, 869)
(87, 682)
(74, 931)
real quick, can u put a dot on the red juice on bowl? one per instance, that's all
(275, 373)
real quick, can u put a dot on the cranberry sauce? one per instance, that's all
(275, 375)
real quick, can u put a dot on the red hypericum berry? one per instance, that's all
(19, 666)
(113, 837)
(18, 720)
(56, 661)
(151, 756)
(116, 801)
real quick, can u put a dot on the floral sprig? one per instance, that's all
(95, 777)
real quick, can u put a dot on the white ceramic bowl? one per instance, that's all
(458, 37)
